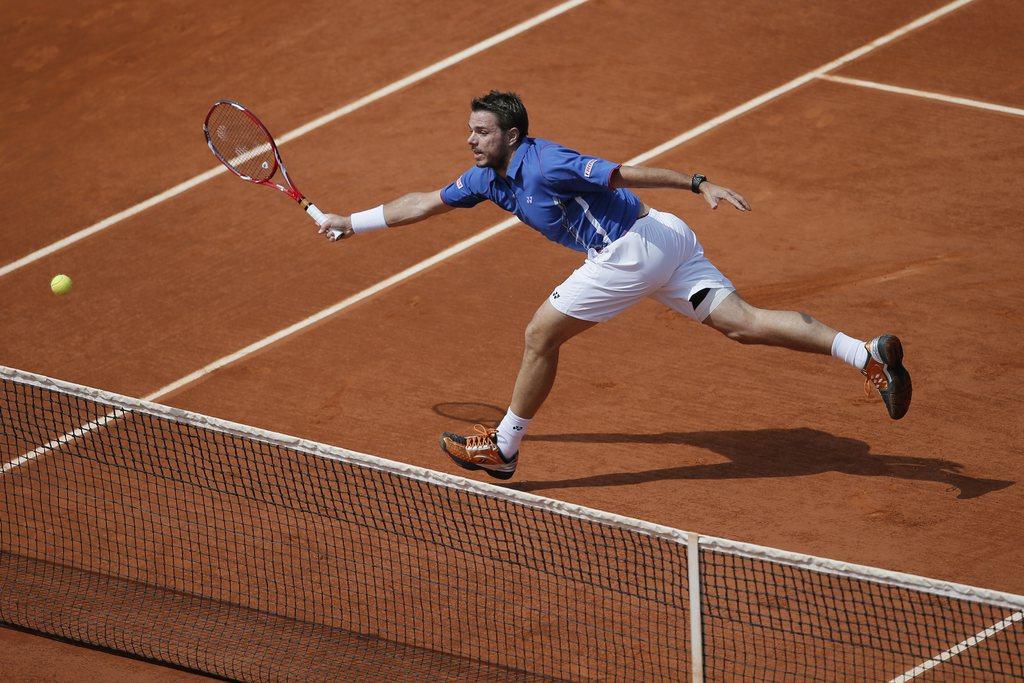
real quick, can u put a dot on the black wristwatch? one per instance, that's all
(695, 180)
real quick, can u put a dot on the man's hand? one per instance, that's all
(336, 227)
(712, 193)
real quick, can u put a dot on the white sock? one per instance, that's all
(510, 433)
(849, 350)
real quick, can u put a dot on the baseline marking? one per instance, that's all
(949, 99)
(958, 648)
(296, 133)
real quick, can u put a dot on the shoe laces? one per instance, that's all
(482, 439)
(874, 377)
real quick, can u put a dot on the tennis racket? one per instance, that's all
(242, 143)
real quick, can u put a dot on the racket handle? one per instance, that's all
(315, 213)
(318, 216)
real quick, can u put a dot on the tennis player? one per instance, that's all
(632, 251)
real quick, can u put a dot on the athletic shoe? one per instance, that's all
(480, 452)
(885, 372)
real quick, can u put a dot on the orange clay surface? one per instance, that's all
(872, 211)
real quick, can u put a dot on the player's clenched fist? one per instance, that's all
(336, 227)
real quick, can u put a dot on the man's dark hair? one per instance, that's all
(507, 108)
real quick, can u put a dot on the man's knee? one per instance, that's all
(550, 328)
(744, 330)
(737, 320)
(541, 338)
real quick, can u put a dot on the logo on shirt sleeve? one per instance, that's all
(458, 183)
(589, 168)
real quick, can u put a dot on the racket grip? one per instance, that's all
(315, 213)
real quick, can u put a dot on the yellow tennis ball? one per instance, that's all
(60, 284)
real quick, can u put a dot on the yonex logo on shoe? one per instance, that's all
(517, 429)
(555, 295)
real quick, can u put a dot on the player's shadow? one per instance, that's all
(752, 454)
(770, 453)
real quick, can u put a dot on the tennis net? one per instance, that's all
(249, 555)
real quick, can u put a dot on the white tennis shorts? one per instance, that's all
(659, 257)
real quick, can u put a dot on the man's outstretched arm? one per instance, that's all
(642, 176)
(408, 208)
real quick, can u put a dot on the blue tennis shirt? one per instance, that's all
(558, 192)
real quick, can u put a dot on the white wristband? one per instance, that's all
(372, 219)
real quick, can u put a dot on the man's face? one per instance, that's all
(490, 145)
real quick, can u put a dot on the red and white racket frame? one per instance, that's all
(292, 191)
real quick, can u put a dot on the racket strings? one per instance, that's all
(241, 143)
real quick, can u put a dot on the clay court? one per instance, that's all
(886, 196)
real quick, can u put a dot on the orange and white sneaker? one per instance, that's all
(480, 452)
(885, 372)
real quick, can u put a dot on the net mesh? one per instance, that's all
(768, 621)
(251, 556)
(240, 142)
(254, 561)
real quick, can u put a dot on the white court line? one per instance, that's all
(949, 99)
(296, 133)
(504, 225)
(958, 648)
(340, 306)
(806, 78)
(76, 433)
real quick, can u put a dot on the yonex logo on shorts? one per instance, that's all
(589, 168)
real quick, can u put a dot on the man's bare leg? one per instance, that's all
(496, 451)
(738, 320)
(880, 360)
(549, 329)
